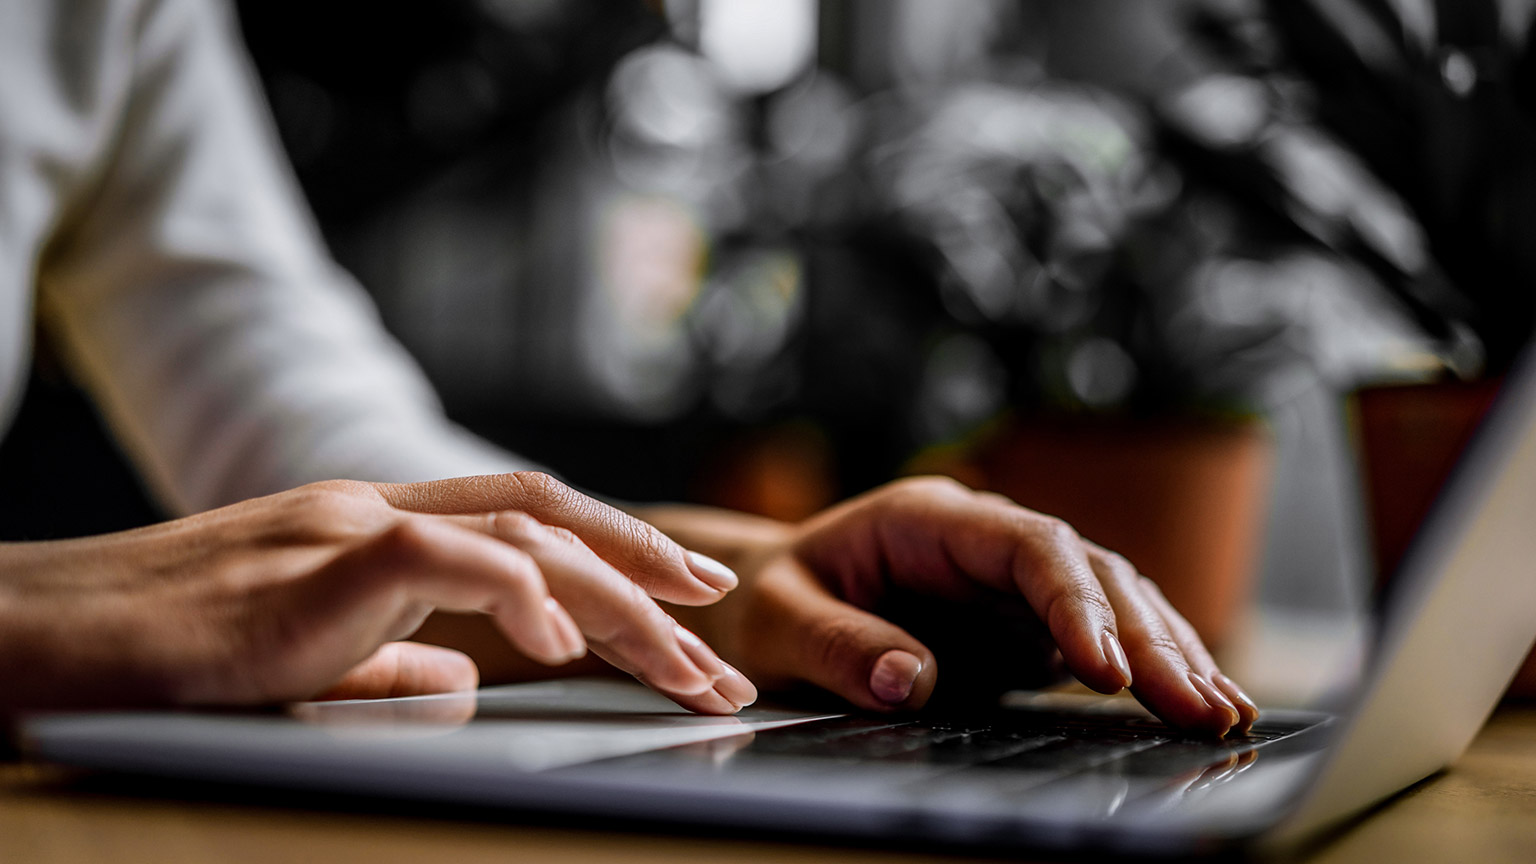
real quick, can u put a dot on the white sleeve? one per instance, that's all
(193, 297)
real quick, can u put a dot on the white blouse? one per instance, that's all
(148, 222)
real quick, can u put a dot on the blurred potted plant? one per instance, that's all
(1437, 102)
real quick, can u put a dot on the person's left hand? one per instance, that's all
(304, 594)
(803, 610)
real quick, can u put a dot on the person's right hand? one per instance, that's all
(301, 594)
(983, 579)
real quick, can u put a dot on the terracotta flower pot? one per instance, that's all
(1410, 438)
(1183, 500)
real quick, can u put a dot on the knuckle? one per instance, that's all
(647, 582)
(1057, 532)
(564, 536)
(388, 559)
(836, 639)
(319, 498)
(522, 573)
(1074, 604)
(526, 528)
(540, 487)
(408, 537)
(996, 499)
(1162, 644)
(649, 546)
(327, 510)
(636, 624)
(1120, 566)
(931, 485)
(1122, 563)
(352, 488)
(1095, 603)
(513, 525)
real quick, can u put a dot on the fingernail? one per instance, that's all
(894, 675)
(1245, 704)
(1215, 699)
(565, 637)
(711, 572)
(734, 687)
(1114, 654)
(702, 655)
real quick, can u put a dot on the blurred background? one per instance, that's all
(1224, 282)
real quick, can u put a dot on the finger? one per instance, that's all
(736, 688)
(1167, 679)
(1050, 568)
(650, 558)
(424, 563)
(804, 633)
(405, 669)
(1200, 659)
(1247, 709)
(620, 621)
(729, 695)
(708, 702)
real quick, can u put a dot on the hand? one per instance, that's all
(300, 594)
(803, 611)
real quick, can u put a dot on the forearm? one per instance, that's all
(62, 640)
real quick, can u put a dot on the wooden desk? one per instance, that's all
(1484, 809)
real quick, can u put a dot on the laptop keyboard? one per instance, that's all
(1038, 764)
(1038, 743)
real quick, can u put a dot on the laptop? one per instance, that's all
(1047, 770)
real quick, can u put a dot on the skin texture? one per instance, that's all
(801, 613)
(305, 594)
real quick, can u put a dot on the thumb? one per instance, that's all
(406, 669)
(816, 637)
